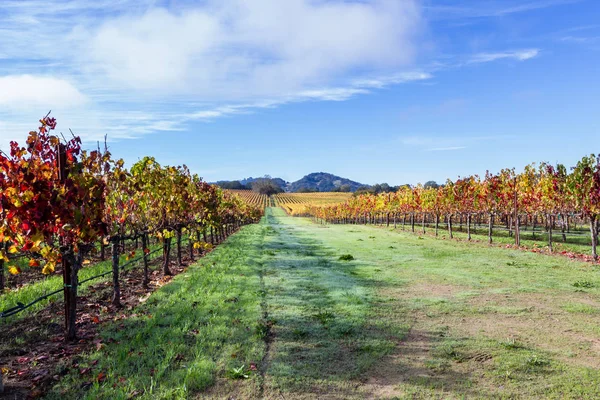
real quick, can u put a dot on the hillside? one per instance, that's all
(323, 182)
(317, 181)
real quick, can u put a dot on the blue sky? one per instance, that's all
(397, 91)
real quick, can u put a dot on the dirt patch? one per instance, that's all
(423, 289)
(537, 320)
(434, 290)
(408, 362)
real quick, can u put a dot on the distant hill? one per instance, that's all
(315, 182)
(322, 182)
(246, 184)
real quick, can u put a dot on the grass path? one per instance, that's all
(277, 312)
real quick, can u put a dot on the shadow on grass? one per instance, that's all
(332, 336)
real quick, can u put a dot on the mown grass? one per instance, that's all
(405, 317)
(324, 335)
(201, 327)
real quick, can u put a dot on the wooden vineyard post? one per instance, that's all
(2, 276)
(70, 287)
(516, 216)
(145, 247)
(594, 233)
(550, 222)
(116, 300)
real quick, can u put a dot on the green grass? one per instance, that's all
(280, 311)
(201, 327)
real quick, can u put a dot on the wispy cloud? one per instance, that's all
(451, 148)
(581, 39)
(447, 142)
(487, 9)
(519, 55)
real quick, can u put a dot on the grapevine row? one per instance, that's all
(549, 194)
(57, 201)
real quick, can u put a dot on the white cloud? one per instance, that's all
(519, 55)
(128, 68)
(237, 50)
(138, 68)
(18, 91)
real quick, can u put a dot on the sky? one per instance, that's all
(396, 91)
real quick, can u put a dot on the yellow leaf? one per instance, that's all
(27, 195)
(86, 262)
(12, 249)
(37, 240)
(14, 270)
(45, 251)
(48, 268)
(3, 256)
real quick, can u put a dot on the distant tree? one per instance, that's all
(431, 185)
(266, 186)
(233, 185)
(364, 190)
(343, 188)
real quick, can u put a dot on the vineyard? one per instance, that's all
(252, 198)
(297, 204)
(64, 210)
(292, 203)
(542, 196)
(147, 282)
